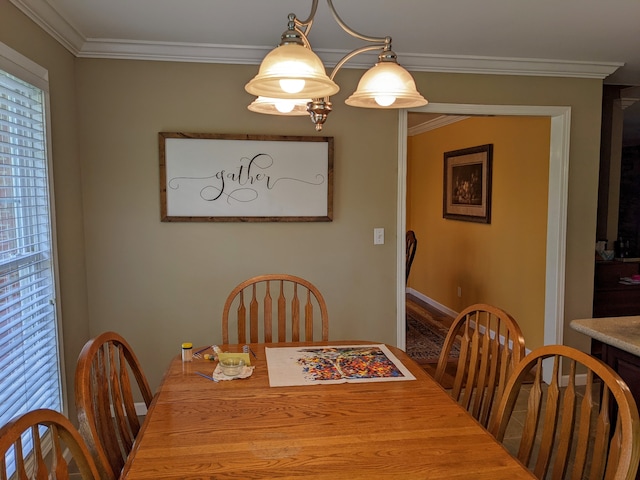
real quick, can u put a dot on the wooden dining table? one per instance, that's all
(245, 429)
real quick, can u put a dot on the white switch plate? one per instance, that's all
(378, 236)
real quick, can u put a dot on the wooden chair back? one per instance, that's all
(568, 435)
(43, 443)
(490, 345)
(275, 306)
(104, 394)
(410, 252)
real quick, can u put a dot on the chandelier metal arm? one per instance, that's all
(303, 36)
(291, 73)
(304, 26)
(350, 30)
(309, 21)
(353, 53)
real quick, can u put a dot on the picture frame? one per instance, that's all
(467, 184)
(209, 177)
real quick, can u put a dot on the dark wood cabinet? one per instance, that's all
(626, 364)
(610, 297)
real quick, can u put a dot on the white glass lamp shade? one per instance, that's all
(296, 68)
(280, 106)
(386, 85)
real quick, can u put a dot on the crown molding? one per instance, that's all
(172, 51)
(441, 121)
(50, 20)
(253, 55)
(508, 66)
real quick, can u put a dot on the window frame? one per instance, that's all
(28, 71)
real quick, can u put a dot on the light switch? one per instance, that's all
(378, 236)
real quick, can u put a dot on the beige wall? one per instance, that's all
(160, 284)
(167, 282)
(501, 263)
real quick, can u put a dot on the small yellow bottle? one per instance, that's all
(187, 352)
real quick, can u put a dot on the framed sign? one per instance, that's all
(467, 184)
(245, 178)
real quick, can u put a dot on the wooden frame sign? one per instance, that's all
(245, 178)
(467, 184)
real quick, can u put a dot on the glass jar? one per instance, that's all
(187, 352)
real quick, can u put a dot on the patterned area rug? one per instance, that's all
(424, 341)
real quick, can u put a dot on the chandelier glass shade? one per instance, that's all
(386, 85)
(280, 106)
(292, 64)
(292, 79)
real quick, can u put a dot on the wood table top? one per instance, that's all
(245, 429)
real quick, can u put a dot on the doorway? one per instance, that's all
(556, 214)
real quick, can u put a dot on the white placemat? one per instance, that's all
(246, 372)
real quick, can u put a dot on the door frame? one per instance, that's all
(556, 211)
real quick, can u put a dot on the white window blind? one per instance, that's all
(30, 374)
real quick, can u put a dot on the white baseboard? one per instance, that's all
(141, 409)
(564, 380)
(447, 310)
(581, 379)
(433, 303)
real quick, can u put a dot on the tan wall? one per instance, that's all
(501, 263)
(160, 284)
(168, 281)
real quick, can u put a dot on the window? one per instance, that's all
(30, 375)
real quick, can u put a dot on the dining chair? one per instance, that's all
(566, 433)
(410, 252)
(277, 306)
(104, 395)
(42, 444)
(489, 344)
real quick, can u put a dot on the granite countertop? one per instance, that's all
(620, 332)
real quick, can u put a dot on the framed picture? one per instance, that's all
(245, 178)
(467, 184)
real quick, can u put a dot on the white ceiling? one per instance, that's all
(577, 38)
(568, 37)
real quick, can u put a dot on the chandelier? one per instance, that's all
(292, 79)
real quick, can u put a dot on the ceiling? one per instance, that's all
(575, 38)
